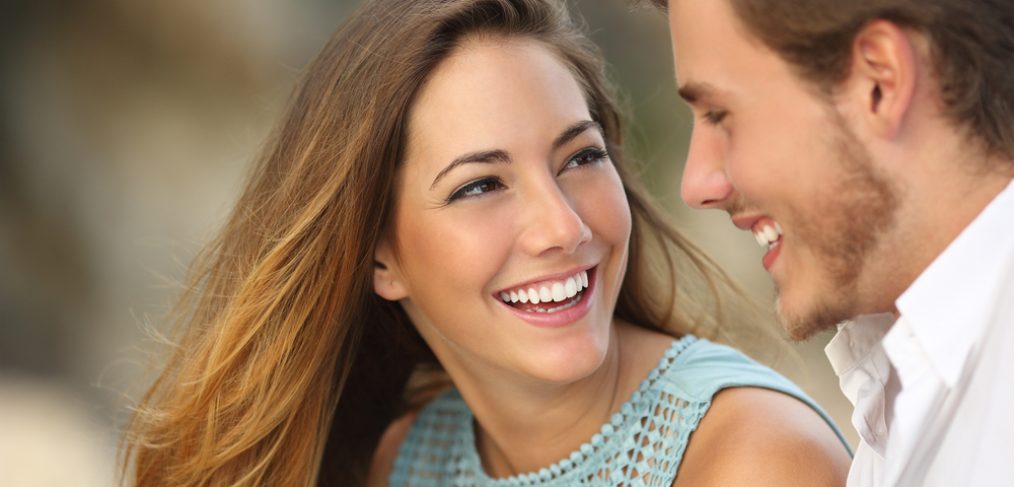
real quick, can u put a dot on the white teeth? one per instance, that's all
(551, 292)
(768, 234)
(570, 287)
(559, 293)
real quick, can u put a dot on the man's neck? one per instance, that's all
(942, 192)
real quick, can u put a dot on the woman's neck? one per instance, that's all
(523, 426)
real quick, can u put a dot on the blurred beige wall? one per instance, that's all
(125, 131)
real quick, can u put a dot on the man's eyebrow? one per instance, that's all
(693, 91)
(501, 156)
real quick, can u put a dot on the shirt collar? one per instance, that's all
(863, 371)
(856, 340)
(949, 303)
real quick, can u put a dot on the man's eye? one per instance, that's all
(476, 188)
(715, 116)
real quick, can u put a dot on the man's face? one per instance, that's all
(776, 155)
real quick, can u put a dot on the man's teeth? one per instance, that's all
(548, 292)
(768, 234)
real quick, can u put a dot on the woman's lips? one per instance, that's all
(547, 290)
(553, 313)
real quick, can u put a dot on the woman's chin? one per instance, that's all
(565, 363)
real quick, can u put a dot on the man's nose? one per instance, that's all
(705, 182)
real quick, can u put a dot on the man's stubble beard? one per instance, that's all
(842, 230)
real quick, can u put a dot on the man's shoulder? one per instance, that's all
(974, 427)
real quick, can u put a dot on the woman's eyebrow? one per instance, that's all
(574, 130)
(486, 156)
(502, 156)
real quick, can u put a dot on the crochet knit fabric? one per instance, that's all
(641, 445)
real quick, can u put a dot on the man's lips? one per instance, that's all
(772, 255)
(766, 231)
(745, 222)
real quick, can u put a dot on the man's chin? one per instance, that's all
(803, 325)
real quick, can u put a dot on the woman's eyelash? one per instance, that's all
(489, 184)
(476, 188)
(587, 156)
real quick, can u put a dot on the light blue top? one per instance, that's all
(642, 444)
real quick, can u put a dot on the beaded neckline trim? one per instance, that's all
(589, 448)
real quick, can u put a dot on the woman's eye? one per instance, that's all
(587, 156)
(476, 188)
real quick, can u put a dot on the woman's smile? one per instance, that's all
(553, 301)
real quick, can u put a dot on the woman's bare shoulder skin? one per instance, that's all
(759, 437)
(387, 450)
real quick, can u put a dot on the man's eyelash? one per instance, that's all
(714, 116)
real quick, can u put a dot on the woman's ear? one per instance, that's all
(883, 76)
(388, 282)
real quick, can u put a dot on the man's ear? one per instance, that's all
(388, 282)
(883, 76)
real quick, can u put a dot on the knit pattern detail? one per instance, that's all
(641, 445)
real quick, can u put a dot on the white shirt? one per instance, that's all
(934, 390)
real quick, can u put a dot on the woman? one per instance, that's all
(446, 199)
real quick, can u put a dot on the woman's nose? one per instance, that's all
(553, 224)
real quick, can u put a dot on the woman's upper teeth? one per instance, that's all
(549, 291)
(767, 234)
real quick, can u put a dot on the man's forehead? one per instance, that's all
(717, 19)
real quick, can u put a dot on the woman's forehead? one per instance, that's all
(493, 91)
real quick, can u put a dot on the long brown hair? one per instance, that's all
(287, 367)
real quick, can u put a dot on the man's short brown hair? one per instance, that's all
(972, 50)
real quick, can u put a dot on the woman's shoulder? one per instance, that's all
(702, 368)
(693, 370)
(756, 436)
(733, 421)
(387, 449)
(758, 428)
(440, 416)
(753, 426)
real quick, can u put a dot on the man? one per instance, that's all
(869, 146)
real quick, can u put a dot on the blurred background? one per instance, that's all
(126, 129)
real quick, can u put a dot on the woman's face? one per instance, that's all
(511, 227)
